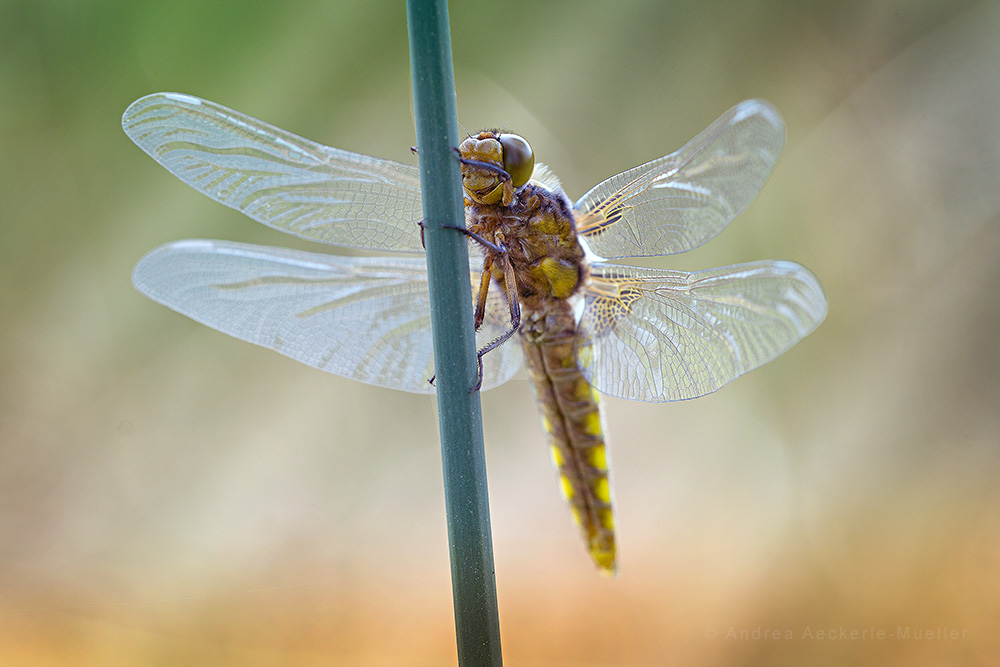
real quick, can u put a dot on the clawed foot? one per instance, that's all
(476, 387)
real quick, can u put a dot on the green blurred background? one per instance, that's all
(172, 496)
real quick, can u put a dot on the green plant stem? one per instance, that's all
(477, 624)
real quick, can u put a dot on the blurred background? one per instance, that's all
(169, 495)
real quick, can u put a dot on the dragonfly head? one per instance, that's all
(494, 165)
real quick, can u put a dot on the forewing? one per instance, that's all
(277, 178)
(362, 318)
(654, 335)
(680, 201)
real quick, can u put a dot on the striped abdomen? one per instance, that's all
(571, 416)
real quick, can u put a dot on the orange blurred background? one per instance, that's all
(172, 496)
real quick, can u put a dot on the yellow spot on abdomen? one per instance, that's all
(557, 457)
(592, 423)
(566, 487)
(602, 550)
(602, 490)
(546, 424)
(597, 458)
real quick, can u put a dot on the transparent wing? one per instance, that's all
(654, 335)
(361, 318)
(282, 180)
(680, 201)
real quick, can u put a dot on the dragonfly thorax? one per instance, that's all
(537, 234)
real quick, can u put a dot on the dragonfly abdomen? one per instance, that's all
(571, 416)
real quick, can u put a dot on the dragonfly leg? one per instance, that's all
(484, 290)
(477, 238)
(510, 281)
(500, 171)
(484, 287)
(472, 235)
(492, 345)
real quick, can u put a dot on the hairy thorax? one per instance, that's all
(539, 236)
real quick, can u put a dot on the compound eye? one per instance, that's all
(518, 160)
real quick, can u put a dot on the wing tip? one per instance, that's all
(134, 112)
(145, 268)
(758, 107)
(763, 111)
(812, 291)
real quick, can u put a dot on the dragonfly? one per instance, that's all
(540, 270)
